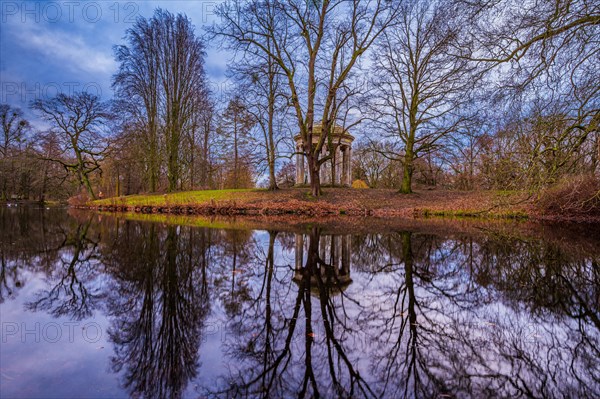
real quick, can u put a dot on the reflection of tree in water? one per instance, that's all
(553, 294)
(31, 239)
(294, 342)
(420, 323)
(232, 261)
(408, 322)
(158, 303)
(441, 329)
(425, 315)
(74, 287)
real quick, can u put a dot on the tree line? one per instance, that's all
(499, 94)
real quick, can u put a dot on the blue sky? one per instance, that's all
(52, 46)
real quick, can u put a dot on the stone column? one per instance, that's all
(337, 263)
(299, 166)
(323, 247)
(344, 181)
(346, 252)
(339, 176)
(349, 166)
(323, 170)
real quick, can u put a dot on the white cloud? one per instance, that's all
(66, 50)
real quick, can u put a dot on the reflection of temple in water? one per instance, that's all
(330, 264)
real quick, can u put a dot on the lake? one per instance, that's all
(115, 306)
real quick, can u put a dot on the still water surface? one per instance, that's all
(98, 306)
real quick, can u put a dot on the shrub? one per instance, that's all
(359, 184)
(572, 196)
(80, 199)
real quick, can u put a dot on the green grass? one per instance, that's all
(182, 198)
(464, 213)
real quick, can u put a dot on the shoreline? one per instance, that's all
(337, 203)
(408, 214)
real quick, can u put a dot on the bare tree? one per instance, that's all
(235, 132)
(162, 79)
(544, 52)
(207, 124)
(419, 86)
(316, 45)
(136, 85)
(181, 75)
(79, 122)
(261, 84)
(14, 129)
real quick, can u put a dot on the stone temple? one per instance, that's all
(338, 170)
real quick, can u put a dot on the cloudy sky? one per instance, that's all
(52, 46)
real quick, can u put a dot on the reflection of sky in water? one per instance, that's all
(424, 315)
(39, 363)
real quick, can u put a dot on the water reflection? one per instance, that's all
(158, 302)
(73, 289)
(236, 313)
(299, 348)
(327, 259)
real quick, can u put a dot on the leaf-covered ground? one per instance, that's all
(334, 201)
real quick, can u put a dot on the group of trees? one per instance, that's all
(477, 94)
(162, 85)
(25, 171)
(461, 94)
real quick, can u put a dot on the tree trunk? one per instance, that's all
(235, 155)
(315, 179)
(272, 180)
(271, 142)
(86, 182)
(204, 170)
(271, 145)
(153, 169)
(406, 187)
(173, 151)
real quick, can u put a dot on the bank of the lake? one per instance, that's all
(334, 201)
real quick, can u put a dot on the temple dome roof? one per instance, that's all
(338, 132)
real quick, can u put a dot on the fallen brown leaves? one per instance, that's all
(352, 202)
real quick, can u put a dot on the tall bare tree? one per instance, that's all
(420, 87)
(316, 45)
(261, 83)
(162, 78)
(235, 131)
(181, 74)
(137, 87)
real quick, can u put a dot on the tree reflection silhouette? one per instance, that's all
(31, 239)
(73, 287)
(483, 334)
(158, 303)
(410, 313)
(426, 328)
(281, 356)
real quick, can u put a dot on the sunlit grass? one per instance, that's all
(466, 213)
(183, 220)
(180, 198)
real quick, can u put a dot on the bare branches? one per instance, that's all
(315, 45)
(79, 122)
(420, 88)
(162, 78)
